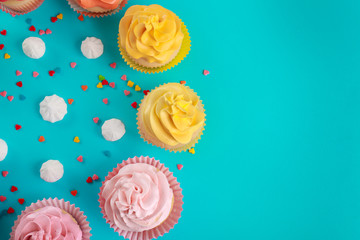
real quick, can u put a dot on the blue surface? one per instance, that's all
(280, 155)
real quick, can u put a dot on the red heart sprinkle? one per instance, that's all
(89, 180)
(35, 74)
(126, 92)
(104, 82)
(134, 105)
(95, 177)
(3, 32)
(41, 32)
(19, 84)
(2, 198)
(146, 92)
(10, 98)
(74, 192)
(41, 139)
(48, 31)
(10, 210)
(3, 93)
(13, 189)
(21, 200)
(113, 65)
(106, 101)
(17, 126)
(182, 82)
(112, 84)
(51, 73)
(179, 166)
(2, 46)
(96, 119)
(53, 19)
(73, 64)
(123, 77)
(4, 173)
(206, 72)
(81, 18)
(18, 73)
(80, 158)
(32, 29)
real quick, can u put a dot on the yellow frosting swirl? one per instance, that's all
(150, 32)
(173, 113)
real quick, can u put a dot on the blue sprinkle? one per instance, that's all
(58, 70)
(107, 153)
(22, 97)
(28, 20)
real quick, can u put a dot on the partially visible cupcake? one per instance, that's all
(18, 7)
(152, 38)
(97, 8)
(51, 219)
(171, 116)
(141, 199)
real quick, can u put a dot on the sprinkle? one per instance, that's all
(6, 56)
(179, 166)
(2, 198)
(76, 139)
(3, 93)
(96, 119)
(84, 87)
(41, 32)
(3, 32)
(73, 64)
(28, 21)
(107, 153)
(80, 158)
(134, 105)
(10, 210)
(101, 77)
(81, 18)
(41, 139)
(137, 88)
(48, 31)
(206, 72)
(146, 92)
(70, 101)
(19, 84)
(113, 65)
(35, 74)
(130, 83)
(10, 98)
(21, 201)
(123, 77)
(105, 100)
(2, 46)
(99, 85)
(60, 16)
(51, 73)
(192, 150)
(105, 82)
(89, 180)
(17, 127)
(22, 97)
(53, 19)
(126, 92)
(74, 192)
(13, 189)
(32, 28)
(112, 84)
(95, 177)
(4, 173)
(18, 73)
(182, 82)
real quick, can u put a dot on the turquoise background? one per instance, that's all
(279, 158)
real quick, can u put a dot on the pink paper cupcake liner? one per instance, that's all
(28, 8)
(175, 213)
(66, 206)
(73, 4)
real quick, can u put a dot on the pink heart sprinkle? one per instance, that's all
(80, 158)
(96, 119)
(48, 31)
(123, 77)
(179, 166)
(206, 72)
(3, 93)
(4, 173)
(35, 74)
(95, 177)
(106, 101)
(10, 98)
(18, 73)
(41, 32)
(113, 65)
(112, 84)
(73, 64)
(2, 198)
(126, 92)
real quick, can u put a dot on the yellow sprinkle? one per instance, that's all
(130, 83)
(192, 150)
(6, 56)
(76, 139)
(60, 16)
(99, 85)
(137, 88)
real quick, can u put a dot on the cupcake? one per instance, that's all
(172, 117)
(141, 199)
(51, 219)
(18, 7)
(152, 38)
(97, 8)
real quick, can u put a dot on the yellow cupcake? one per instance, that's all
(152, 37)
(172, 117)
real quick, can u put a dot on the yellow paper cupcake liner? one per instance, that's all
(184, 50)
(185, 147)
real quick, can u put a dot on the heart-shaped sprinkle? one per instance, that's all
(126, 92)
(105, 82)
(10, 210)
(123, 77)
(41, 32)
(13, 189)
(206, 72)
(89, 180)
(182, 82)
(70, 101)
(113, 65)
(81, 18)
(112, 84)
(3, 93)
(35, 74)
(41, 139)
(22, 97)
(101, 77)
(130, 83)
(17, 127)
(10, 98)
(74, 192)
(99, 85)
(51, 73)
(73, 64)
(84, 87)
(179, 166)
(95, 177)
(48, 31)
(3, 32)
(80, 158)
(192, 150)
(4, 173)
(137, 88)
(105, 100)
(53, 19)
(32, 29)
(76, 139)
(18, 73)
(96, 119)
(19, 84)
(28, 20)
(134, 105)
(7, 56)
(21, 201)
(146, 92)
(59, 16)
(2, 46)
(2, 198)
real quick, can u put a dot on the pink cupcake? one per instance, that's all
(141, 199)
(51, 219)
(97, 8)
(19, 7)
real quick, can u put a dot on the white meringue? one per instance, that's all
(53, 108)
(51, 171)
(34, 47)
(113, 129)
(92, 47)
(3, 149)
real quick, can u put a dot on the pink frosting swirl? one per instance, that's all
(137, 198)
(48, 223)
